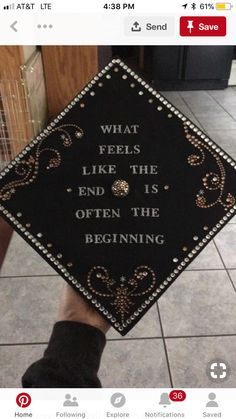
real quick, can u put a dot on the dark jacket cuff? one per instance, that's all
(78, 341)
(71, 359)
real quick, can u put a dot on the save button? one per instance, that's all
(203, 26)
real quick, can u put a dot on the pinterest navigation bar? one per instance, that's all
(117, 403)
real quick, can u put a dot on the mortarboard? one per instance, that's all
(119, 194)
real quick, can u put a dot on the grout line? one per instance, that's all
(222, 260)
(204, 269)
(221, 129)
(189, 107)
(219, 104)
(108, 340)
(219, 269)
(232, 282)
(202, 336)
(165, 347)
(129, 339)
(23, 344)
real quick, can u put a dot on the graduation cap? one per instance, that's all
(119, 194)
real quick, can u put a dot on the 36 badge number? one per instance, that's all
(177, 395)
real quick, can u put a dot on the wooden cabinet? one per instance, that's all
(15, 126)
(67, 69)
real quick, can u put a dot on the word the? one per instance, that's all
(145, 212)
(144, 169)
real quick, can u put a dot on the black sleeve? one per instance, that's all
(71, 359)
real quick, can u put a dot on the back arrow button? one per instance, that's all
(13, 26)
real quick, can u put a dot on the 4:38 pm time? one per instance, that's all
(119, 6)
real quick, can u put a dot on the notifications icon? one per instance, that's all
(23, 400)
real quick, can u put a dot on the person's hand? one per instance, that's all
(75, 308)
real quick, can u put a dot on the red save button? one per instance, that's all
(203, 26)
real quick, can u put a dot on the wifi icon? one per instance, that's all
(9, 7)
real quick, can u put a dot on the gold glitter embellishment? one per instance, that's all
(120, 188)
(28, 168)
(211, 181)
(122, 292)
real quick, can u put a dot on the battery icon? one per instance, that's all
(224, 6)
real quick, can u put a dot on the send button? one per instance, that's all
(155, 26)
(151, 27)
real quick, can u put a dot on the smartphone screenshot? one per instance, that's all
(117, 209)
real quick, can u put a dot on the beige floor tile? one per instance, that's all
(226, 243)
(14, 360)
(199, 303)
(137, 363)
(21, 259)
(28, 308)
(189, 358)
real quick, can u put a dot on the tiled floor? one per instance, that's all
(193, 323)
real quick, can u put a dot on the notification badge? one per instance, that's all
(177, 395)
(23, 400)
(203, 26)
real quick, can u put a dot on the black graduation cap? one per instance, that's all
(119, 194)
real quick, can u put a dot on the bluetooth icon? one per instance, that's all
(118, 400)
